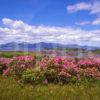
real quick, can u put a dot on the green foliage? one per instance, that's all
(51, 75)
(38, 58)
(33, 76)
(86, 81)
(73, 79)
(6, 55)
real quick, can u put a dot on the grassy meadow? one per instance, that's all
(10, 90)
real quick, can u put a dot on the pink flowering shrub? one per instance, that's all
(69, 70)
(21, 63)
(51, 69)
(58, 69)
(90, 62)
(4, 64)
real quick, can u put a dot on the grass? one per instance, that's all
(10, 90)
(10, 54)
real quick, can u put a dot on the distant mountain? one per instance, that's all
(13, 46)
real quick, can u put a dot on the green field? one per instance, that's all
(10, 90)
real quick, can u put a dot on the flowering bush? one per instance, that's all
(21, 63)
(70, 70)
(51, 69)
(4, 64)
(90, 62)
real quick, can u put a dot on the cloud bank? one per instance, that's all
(18, 31)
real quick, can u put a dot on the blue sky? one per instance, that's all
(46, 12)
(61, 21)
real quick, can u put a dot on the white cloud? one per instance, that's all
(18, 31)
(7, 21)
(94, 7)
(96, 22)
(82, 23)
(78, 7)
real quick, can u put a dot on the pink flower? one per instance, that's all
(25, 58)
(58, 60)
(6, 72)
(65, 65)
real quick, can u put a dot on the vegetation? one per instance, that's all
(10, 90)
(28, 77)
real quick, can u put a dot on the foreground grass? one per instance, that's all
(10, 90)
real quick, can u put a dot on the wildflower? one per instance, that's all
(6, 72)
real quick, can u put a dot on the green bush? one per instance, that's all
(33, 76)
(52, 76)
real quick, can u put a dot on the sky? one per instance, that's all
(57, 21)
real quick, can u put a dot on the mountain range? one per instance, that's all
(13, 46)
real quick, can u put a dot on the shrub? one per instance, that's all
(21, 63)
(51, 69)
(4, 64)
(33, 76)
(64, 77)
(51, 76)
